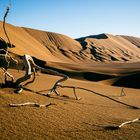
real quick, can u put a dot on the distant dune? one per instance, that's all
(108, 48)
(55, 47)
(133, 40)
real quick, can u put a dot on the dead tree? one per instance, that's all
(4, 54)
(4, 64)
(30, 71)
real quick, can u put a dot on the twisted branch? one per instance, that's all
(7, 11)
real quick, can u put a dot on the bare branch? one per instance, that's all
(77, 98)
(6, 73)
(31, 104)
(128, 122)
(99, 94)
(7, 11)
(122, 92)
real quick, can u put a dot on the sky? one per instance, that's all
(75, 18)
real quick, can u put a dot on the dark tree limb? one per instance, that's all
(4, 19)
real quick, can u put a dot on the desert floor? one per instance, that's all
(88, 118)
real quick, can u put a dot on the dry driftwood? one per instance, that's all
(57, 85)
(115, 127)
(128, 122)
(77, 98)
(99, 94)
(31, 104)
(122, 92)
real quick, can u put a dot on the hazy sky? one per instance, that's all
(76, 18)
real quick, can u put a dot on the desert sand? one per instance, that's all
(103, 63)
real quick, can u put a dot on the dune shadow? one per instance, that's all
(131, 81)
(100, 36)
(96, 76)
(104, 127)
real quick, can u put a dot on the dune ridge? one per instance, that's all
(55, 47)
(110, 48)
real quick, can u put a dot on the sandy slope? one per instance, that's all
(25, 44)
(54, 47)
(60, 46)
(106, 47)
(68, 119)
(133, 40)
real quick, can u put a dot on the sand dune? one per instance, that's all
(80, 55)
(108, 48)
(133, 40)
(94, 62)
(54, 47)
(25, 43)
